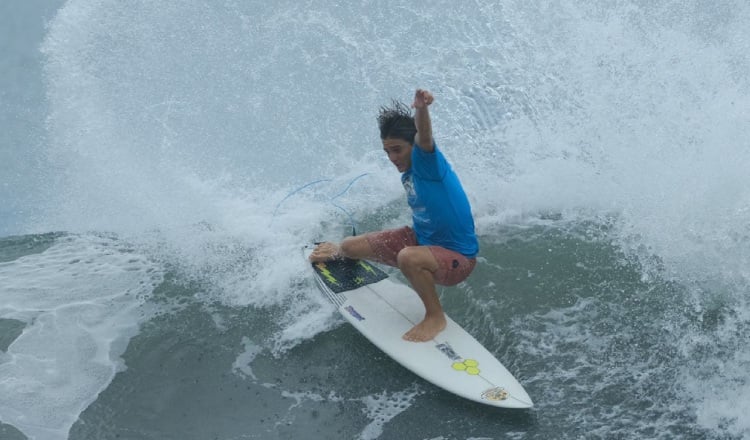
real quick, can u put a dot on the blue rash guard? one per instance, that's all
(440, 209)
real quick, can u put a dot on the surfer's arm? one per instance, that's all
(422, 99)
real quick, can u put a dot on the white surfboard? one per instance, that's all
(383, 310)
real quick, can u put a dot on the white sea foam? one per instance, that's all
(383, 407)
(80, 300)
(718, 380)
(722, 400)
(241, 365)
(379, 408)
(305, 318)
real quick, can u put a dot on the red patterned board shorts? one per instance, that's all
(452, 266)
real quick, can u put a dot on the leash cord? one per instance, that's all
(332, 200)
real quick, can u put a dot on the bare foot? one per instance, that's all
(427, 329)
(324, 252)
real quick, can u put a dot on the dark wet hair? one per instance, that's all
(396, 122)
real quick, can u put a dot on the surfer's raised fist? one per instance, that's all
(422, 98)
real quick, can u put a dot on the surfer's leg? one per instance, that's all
(418, 264)
(385, 245)
(452, 266)
(381, 246)
(356, 247)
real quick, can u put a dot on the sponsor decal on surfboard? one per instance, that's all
(495, 394)
(448, 351)
(354, 313)
(470, 366)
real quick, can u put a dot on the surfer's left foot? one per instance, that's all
(426, 330)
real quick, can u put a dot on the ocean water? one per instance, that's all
(164, 163)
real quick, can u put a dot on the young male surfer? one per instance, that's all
(442, 246)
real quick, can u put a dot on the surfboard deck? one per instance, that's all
(383, 310)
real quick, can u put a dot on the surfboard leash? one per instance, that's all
(331, 199)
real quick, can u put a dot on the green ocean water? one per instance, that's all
(598, 347)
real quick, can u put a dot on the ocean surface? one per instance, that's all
(163, 164)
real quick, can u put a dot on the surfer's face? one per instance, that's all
(399, 153)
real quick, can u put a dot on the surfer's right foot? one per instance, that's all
(427, 329)
(325, 252)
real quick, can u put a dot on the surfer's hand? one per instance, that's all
(325, 252)
(422, 98)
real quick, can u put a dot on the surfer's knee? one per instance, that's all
(405, 259)
(415, 258)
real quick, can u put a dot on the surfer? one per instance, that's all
(441, 247)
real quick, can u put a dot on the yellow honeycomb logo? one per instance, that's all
(470, 366)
